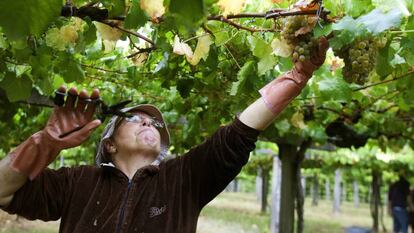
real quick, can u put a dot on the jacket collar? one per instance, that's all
(149, 170)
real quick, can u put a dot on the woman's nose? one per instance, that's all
(146, 122)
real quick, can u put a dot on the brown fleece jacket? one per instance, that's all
(164, 199)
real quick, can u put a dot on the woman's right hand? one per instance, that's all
(72, 123)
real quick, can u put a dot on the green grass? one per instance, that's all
(238, 213)
(242, 210)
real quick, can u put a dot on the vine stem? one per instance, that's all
(129, 32)
(228, 50)
(364, 87)
(139, 50)
(196, 37)
(275, 13)
(385, 81)
(406, 31)
(239, 26)
(102, 69)
(272, 14)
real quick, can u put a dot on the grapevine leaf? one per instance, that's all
(316, 132)
(27, 17)
(347, 23)
(324, 31)
(410, 23)
(397, 60)
(334, 88)
(383, 67)
(283, 126)
(107, 32)
(265, 64)
(347, 29)
(221, 37)
(187, 12)
(3, 42)
(89, 35)
(163, 64)
(259, 47)
(408, 49)
(201, 50)
(386, 5)
(247, 72)
(355, 8)
(281, 47)
(40, 63)
(182, 48)
(231, 6)
(136, 16)
(115, 8)
(184, 86)
(154, 8)
(376, 21)
(17, 88)
(69, 68)
(297, 120)
(54, 40)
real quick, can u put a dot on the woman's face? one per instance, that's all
(137, 134)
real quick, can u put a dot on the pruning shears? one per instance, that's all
(102, 110)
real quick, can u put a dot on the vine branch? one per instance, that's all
(275, 13)
(103, 69)
(239, 26)
(139, 50)
(128, 31)
(385, 81)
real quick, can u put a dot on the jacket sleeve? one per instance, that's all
(42, 198)
(211, 166)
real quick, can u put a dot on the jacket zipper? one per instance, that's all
(121, 215)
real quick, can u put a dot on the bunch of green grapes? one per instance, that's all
(297, 32)
(360, 58)
(303, 49)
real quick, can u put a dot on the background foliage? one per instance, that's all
(202, 70)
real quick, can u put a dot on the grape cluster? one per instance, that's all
(297, 32)
(303, 49)
(360, 58)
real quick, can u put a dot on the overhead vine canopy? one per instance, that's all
(203, 61)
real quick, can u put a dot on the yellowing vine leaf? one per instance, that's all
(181, 48)
(231, 6)
(154, 8)
(307, 5)
(59, 39)
(77, 23)
(297, 120)
(69, 33)
(54, 40)
(281, 47)
(108, 32)
(336, 63)
(109, 45)
(312, 20)
(201, 51)
(139, 59)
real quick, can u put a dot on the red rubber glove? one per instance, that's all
(68, 126)
(278, 93)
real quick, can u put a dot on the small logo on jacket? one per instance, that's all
(155, 211)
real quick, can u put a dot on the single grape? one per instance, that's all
(295, 55)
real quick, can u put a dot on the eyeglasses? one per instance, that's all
(138, 119)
